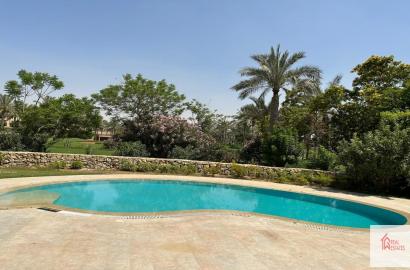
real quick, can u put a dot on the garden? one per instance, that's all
(293, 119)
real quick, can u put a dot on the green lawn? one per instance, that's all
(28, 172)
(78, 146)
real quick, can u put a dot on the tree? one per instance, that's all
(140, 99)
(381, 72)
(38, 84)
(6, 109)
(255, 113)
(66, 116)
(202, 115)
(379, 161)
(275, 73)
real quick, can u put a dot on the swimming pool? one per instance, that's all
(136, 196)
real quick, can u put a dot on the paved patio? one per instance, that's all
(38, 239)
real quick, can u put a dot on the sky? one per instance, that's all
(199, 45)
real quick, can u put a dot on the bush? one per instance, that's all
(110, 144)
(126, 165)
(238, 171)
(188, 152)
(282, 147)
(188, 169)
(58, 165)
(211, 171)
(380, 161)
(252, 151)
(131, 149)
(10, 140)
(76, 165)
(162, 134)
(321, 159)
(2, 158)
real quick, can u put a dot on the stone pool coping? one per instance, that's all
(399, 205)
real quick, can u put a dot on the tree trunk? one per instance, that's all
(275, 110)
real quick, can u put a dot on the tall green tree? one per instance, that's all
(275, 72)
(381, 72)
(35, 85)
(140, 99)
(66, 116)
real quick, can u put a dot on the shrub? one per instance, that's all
(188, 169)
(131, 149)
(238, 171)
(162, 134)
(380, 161)
(222, 153)
(144, 167)
(400, 118)
(10, 140)
(76, 165)
(251, 152)
(58, 165)
(110, 144)
(2, 158)
(188, 152)
(321, 159)
(126, 165)
(211, 171)
(282, 147)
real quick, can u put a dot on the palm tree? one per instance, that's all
(257, 111)
(6, 109)
(275, 73)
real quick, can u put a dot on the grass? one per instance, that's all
(79, 146)
(29, 172)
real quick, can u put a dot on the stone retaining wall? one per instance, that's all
(36, 159)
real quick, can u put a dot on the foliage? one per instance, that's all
(146, 166)
(273, 74)
(37, 84)
(164, 133)
(400, 118)
(211, 171)
(238, 171)
(379, 161)
(381, 72)
(188, 152)
(59, 165)
(140, 98)
(110, 144)
(252, 152)
(321, 159)
(7, 109)
(66, 116)
(10, 140)
(282, 147)
(131, 149)
(76, 165)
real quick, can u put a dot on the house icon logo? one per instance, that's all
(385, 242)
(391, 244)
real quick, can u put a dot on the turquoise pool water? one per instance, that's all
(157, 196)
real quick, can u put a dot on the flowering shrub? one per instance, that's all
(164, 133)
